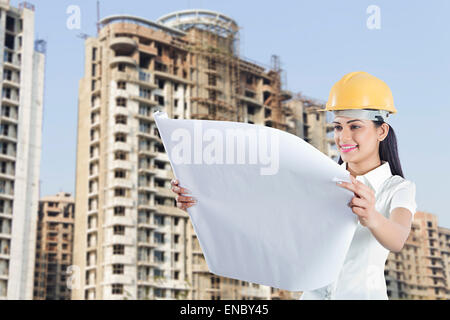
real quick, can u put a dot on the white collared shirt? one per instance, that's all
(362, 275)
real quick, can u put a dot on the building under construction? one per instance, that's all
(421, 271)
(131, 241)
(54, 243)
(305, 121)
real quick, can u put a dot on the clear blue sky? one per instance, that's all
(318, 42)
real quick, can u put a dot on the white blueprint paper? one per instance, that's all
(289, 230)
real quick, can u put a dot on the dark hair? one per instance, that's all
(388, 151)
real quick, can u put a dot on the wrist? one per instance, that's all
(377, 221)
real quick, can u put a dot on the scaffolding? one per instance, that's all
(213, 44)
(276, 101)
(212, 40)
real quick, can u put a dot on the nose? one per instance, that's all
(346, 136)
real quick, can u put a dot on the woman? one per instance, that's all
(384, 200)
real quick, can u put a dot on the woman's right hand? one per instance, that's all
(183, 202)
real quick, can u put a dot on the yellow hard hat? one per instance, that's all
(361, 90)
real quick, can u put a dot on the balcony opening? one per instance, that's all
(8, 57)
(145, 93)
(211, 64)
(160, 148)
(117, 288)
(120, 155)
(212, 94)
(121, 174)
(121, 85)
(118, 268)
(160, 100)
(119, 230)
(9, 41)
(144, 109)
(161, 84)
(119, 249)
(6, 111)
(160, 67)
(159, 183)
(159, 50)
(119, 211)
(121, 119)
(249, 94)
(121, 102)
(119, 192)
(121, 137)
(212, 80)
(10, 24)
(160, 164)
(158, 219)
(7, 75)
(144, 60)
(145, 41)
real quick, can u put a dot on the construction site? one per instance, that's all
(131, 241)
(122, 236)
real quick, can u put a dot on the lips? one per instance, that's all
(348, 147)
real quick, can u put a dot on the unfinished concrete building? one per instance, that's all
(54, 243)
(421, 270)
(22, 86)
(131, 241)
(304, 120)
(444, 247)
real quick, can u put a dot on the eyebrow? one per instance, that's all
(347, 121)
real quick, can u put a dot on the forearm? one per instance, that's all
(389, 234)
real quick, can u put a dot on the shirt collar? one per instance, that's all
(376, 177)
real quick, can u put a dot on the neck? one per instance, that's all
(361, 168)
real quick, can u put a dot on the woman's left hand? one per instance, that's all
(363, 204)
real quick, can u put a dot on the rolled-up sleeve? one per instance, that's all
(405, 197)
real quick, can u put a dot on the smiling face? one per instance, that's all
(358, 140)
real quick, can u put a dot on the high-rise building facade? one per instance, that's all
(422, 269)
(131, 241)
(22, 85)
(305, 121)
(54, 243)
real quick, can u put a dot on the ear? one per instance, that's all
(383, 131)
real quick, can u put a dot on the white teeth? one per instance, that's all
(345, 148)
